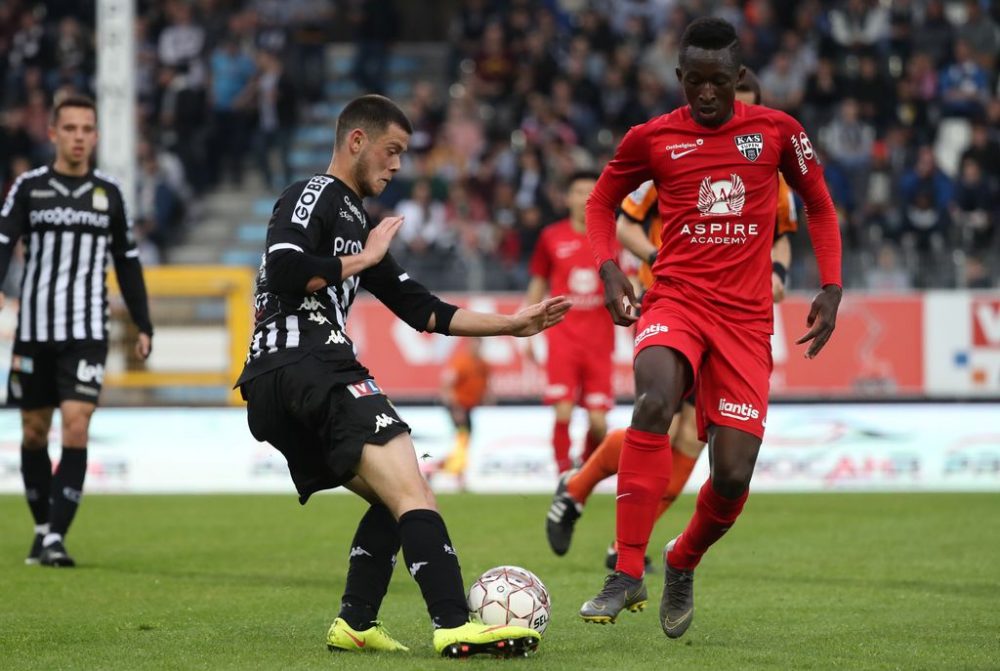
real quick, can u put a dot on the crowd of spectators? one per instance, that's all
(900, 98)
(213, 93)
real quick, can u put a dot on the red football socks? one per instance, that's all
(643, 476)
(679, 474)
(602, 464)
(713, 515)
(560, 446)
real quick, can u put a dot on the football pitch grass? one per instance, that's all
(887, 581)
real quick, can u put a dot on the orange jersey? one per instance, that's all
(640, 207)
(468, 376)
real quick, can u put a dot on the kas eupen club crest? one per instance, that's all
(751, 146)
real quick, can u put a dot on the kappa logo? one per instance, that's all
(740, 411)
(650, 331)
(382, 421)
(449, 550)
(318, 317)
(358, 551)
(416, 566)
(311, 303)
(751, 146)
(364, 388)
(723, 197)
(336, 338)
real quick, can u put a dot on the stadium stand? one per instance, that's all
(237, 97)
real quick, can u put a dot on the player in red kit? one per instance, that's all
(579, 349)
(708, 315)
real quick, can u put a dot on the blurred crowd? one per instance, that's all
(900, 97)
(213, 93)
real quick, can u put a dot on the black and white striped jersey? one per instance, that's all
(70, 225)
(314, 221)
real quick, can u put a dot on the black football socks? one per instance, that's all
(373, 556)
(67, 490)
(432, 562)
(36, 470)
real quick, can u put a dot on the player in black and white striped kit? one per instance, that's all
(72, 218)
(309, 396)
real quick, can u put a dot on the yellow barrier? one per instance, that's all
(235, 285)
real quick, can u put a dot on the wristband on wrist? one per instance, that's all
(651, 259)
(780, 270)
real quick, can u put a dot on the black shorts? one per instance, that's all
(44, 374)
(319, 426)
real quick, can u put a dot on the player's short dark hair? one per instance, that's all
(712, 34)
(750, 83)
(590, 175)
(373, 114)
(72, 100)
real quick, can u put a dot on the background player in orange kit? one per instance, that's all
(709, 314)
(579, 365)
(464, 386)
(639, 231)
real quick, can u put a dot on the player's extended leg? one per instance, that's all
(36, 470)
(392, 473)
(560, 435)
(370, 564)
(596, 430)
(575, 487)
(67, 483)
(661, 377)
(686, 449)
(733, 456)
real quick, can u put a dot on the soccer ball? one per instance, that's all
(511, 595)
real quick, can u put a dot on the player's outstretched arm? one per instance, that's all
(634, 239)
(525, 322)
(619, 296)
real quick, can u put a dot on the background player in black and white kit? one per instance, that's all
(309, 396)
(71, 218)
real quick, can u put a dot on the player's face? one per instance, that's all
(74, 135)
(379, 160)
(709, 77)
(576, 198)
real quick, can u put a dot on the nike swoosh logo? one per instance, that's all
(678, 154)
(357, 641)
(622, 496)
(671, 624)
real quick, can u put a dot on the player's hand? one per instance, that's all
(143, 346)
(619, 297)
(540, 316)
(777, 288)
(822, 319)
(380, 237)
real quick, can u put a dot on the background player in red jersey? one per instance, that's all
(639, 230)
(708, 315)
(579, 364)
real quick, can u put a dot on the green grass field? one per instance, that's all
(252, 582)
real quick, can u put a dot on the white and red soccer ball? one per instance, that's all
(511, 595)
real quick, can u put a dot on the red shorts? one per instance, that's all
(731, 363)
(579, 375)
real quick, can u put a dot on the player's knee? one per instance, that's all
(733, 483)
(75, 430)
(688, 444)
(652, 412)
(35, 432)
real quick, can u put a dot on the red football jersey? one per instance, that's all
(564, 258)
(718, 196)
